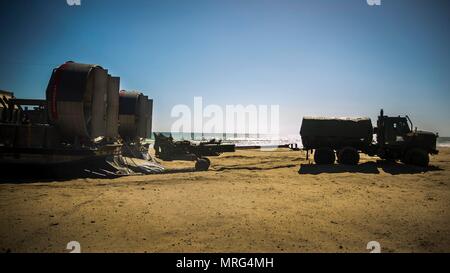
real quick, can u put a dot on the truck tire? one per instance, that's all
(418, 157)
(202, 165)
(324, 156)
(405, 159)
(207, 160)
(348, 156)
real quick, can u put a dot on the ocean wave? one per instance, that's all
(444, 145)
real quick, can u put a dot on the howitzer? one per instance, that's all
(167, 149)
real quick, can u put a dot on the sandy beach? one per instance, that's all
(250, 201)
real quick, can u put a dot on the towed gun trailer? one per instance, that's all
(345, 138)
(167, 149)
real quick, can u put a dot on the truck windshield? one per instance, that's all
(402, 127)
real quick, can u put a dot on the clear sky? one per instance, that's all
(312, 57)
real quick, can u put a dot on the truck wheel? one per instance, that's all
(405, 159)
(418, 157)
(348, 156)
(324, 156)
(202, 165)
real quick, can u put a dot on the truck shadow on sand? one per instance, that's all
(393, 168)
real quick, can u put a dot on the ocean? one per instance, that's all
(259, 140)
(443, 142)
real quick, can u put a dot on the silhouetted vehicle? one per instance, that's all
(167, 149)
(345, 138)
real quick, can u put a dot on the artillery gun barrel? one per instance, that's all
(212, 149)
(253, 147)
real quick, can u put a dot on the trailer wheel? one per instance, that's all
(324, 156)
(207, 160)
(348, 156)
(418, 157)
(202, 165)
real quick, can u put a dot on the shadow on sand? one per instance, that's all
(29, 173)
(390, 167)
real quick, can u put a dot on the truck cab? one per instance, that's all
(397, 140)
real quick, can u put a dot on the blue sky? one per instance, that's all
(312, 57)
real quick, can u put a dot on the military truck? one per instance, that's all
(392, 139)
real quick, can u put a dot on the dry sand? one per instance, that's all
(251, 201)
